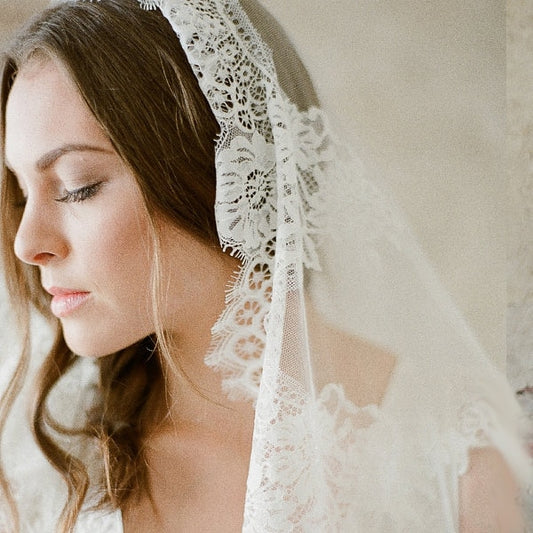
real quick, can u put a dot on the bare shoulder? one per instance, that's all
(489, 495)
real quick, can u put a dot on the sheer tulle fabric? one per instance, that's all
(369, 387)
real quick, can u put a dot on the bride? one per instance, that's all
(247, 336)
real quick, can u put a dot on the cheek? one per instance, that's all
(126, 252)
(118, 247)
(116, 257)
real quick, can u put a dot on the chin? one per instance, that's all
(88, 351)
(95, 345)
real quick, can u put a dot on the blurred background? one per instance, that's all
(419, 88)
(520, 214)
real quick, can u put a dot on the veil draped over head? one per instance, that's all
(370, 389)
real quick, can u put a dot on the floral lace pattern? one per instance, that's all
(270, 159)
(274, 167)
(339, 447)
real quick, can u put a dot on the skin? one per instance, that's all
(101, 245)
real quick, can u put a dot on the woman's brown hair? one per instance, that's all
(132, 73)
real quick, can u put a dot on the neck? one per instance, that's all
(196, 401)
(194, 395)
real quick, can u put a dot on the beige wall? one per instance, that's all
(420, 88)
(14, 12)
(520, 169)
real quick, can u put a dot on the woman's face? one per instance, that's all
(84, 223)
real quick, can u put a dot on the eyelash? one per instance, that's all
(81, 194)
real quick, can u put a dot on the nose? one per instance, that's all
(39, 239)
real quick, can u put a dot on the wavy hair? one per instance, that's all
(161, 125)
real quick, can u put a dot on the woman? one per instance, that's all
(340, 391)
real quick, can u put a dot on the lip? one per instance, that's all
(66, 301)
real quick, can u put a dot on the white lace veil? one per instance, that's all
(370, 389)
(336, 325)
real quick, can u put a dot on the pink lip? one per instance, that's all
(66, 301)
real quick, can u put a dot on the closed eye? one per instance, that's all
(81, 194)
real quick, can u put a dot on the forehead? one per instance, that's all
(45, 109)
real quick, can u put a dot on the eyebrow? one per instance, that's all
(48, 159)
